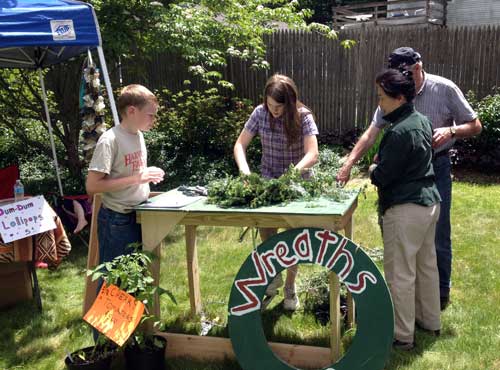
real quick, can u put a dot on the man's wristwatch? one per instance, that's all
(453, 131)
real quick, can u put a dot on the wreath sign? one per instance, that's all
(372, 343)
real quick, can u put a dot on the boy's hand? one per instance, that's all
(151, 174)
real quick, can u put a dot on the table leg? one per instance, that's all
(92, 256)
(351, 313)
(334, 317)
(193, 270)
(155, 272)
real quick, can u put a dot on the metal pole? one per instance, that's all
(51, 135)
(108, 85)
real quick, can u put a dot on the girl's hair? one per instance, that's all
(395, 83)
(282, 89)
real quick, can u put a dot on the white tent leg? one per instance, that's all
(51, 135)
(105, 74)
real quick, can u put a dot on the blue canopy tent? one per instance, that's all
(37, 34)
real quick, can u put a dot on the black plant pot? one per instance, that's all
(150, 357)
(99, 362)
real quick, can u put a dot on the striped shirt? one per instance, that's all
(442, 102)
(277, 155)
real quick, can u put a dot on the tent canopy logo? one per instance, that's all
(63, 30)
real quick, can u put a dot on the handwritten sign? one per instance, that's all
(375, 320)
(115, 313)
(25, 218)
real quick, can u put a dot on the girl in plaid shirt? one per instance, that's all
(288, 135)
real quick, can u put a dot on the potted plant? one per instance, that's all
(96, 357)
(131, 273)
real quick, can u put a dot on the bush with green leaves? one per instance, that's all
(483, 151)
(193, 141)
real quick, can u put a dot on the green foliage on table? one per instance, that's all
(255, 191)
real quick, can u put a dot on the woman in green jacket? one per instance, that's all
(409, 204)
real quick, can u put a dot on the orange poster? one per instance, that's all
(115, 313)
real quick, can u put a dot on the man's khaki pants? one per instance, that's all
(410, 267)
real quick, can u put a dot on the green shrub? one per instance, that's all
(483, 151)
(367, 158)
(196, 132)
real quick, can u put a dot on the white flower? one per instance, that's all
(96, 82)
(89, 145)
(99, 105)
(100, 129)
(88, 101)
(88, 122)
(259, 8)
(86, 75)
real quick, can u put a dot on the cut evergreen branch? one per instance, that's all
(254, 191)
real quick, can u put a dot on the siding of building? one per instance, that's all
(473, 12)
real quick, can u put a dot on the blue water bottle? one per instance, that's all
(18, 191)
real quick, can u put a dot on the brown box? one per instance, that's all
(15, 283)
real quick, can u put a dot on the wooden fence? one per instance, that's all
(338, 84)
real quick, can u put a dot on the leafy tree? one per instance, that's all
(203, 32)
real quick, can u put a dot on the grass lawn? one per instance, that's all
(471, 325)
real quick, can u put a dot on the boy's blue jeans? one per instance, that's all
(115, 232)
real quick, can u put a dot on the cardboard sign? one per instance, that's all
(25, 218)
(115, 313)
(372, 344)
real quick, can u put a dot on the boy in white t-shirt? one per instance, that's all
(119, 171)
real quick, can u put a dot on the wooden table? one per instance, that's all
(158, 222)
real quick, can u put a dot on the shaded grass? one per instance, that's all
(469, 340)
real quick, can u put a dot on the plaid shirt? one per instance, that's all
(277, 155)
(442, 102)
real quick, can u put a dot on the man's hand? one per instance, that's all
(151, 174)
(344, 174)
(441, 136)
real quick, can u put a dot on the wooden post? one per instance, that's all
(193, 270)
(155, 272)
(334, 317)
(93, 256)
(351, 313)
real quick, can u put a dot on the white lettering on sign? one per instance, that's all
(301, 251)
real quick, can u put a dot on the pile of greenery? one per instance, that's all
(255, 191)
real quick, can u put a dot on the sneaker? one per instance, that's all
(403, 346)
(291, 301)
(272, 289)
